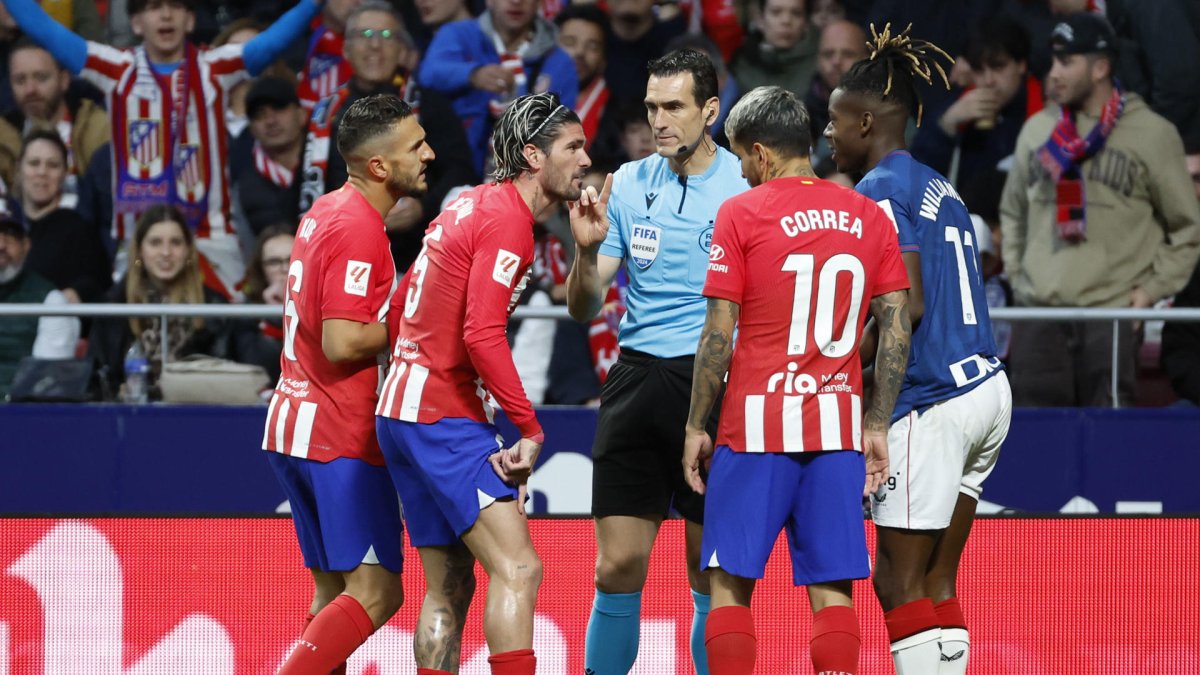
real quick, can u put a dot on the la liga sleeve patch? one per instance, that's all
(505, 270)
(358, 276)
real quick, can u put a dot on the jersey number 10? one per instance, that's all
(823, 320)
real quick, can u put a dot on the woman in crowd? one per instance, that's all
(163, 268)
(65, 248)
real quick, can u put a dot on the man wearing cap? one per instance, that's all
(47, 337)
(376, 43)
(268, 185)
(1098, 211)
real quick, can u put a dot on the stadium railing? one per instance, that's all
(164, 311)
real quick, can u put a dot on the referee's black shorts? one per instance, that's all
(637, 456)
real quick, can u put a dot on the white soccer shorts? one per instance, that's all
(949, 449)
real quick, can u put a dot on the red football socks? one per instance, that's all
(910, 619)
(431, 671)
(835, 641)
(516, 662)
(729, 640)
(330, 639)
(949, 614)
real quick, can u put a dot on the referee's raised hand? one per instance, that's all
(589, 215)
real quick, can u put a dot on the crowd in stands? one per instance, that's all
(159, 151)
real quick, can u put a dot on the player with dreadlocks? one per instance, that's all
(463, 494)
(955, 405)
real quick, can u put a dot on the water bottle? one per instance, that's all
(137, 375)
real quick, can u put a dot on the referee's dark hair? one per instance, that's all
(704, 73)
(773, 117)
(367, 119)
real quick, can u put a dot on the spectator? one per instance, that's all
(783, 51)
(626, 135)
(638, 37)
(164, 268)
(268, 188)
(842, 45)
(483, 64)
(376, 42)
(1160, 47)
(978, 131)
(80, 16)
(433, 14)
(582, 33)
(47, 337)
(44, 99)
(266, 281)
(1096, 212)
(325, 66)
(156, 160)
(237, 33)
(66, 249)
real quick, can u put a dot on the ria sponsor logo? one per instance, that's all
(793, 381)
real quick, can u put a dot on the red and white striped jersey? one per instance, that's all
(149, 141)
(451, 346)
(341, 269)
(803, 258)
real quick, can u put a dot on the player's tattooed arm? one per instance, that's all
(712, 359)
(891, 358)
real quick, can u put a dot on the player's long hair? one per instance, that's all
(895, 63)
(532, 119)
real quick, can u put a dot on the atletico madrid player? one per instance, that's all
(795, 263)
(463, 493)
(321, 422)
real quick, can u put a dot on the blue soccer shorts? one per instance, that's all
(442, 473)
(815, 496)
(346, 512)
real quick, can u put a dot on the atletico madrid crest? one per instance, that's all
(145, 147)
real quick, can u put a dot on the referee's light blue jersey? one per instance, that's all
(661, 225)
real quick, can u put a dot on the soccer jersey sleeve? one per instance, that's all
(892, 275)
(502, 256)
(902, 222)
(357, 278)
(726, 260)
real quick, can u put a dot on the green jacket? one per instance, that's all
(18, 333)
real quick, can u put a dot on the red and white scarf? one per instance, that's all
(270, 169)
(590, 107)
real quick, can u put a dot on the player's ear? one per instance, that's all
(376, 168)
(533, 156)
(866, 123)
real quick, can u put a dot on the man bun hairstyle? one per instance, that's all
(367, 119)
(893, 66)
(535, 119)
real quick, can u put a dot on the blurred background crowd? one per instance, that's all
(165, 151)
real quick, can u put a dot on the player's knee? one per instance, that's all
(622, 572)
(522, 574)
(894, 591)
